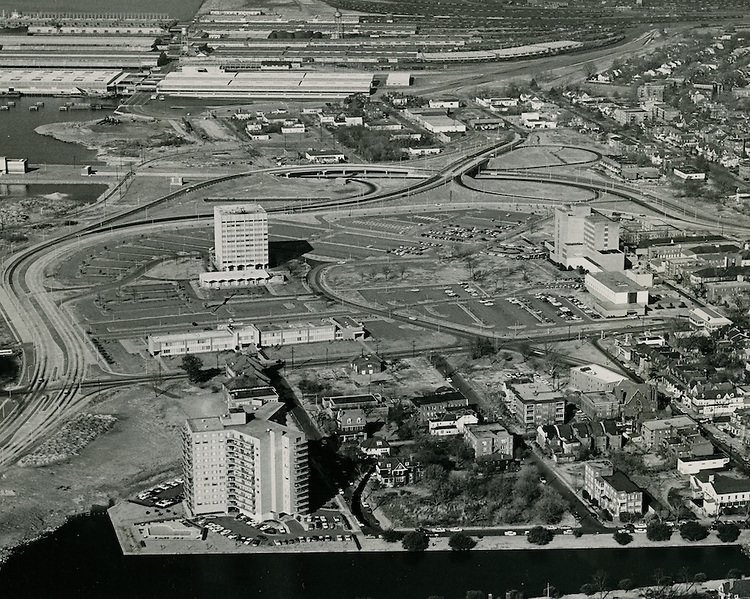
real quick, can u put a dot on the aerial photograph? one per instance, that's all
(375, 299)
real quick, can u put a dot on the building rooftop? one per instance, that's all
(617, 281)
(603, 374)
(341, 399)
(239, 209)
(438, 398)
(622, 483)
(666, 423)
(724, 484)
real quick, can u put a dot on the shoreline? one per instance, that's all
(124, 516)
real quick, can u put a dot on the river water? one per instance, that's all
(18, 140)
(83, 560)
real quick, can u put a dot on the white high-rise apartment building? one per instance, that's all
(246, 462)
(240, 237)
(240, 247)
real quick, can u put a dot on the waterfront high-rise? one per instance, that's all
(240, 254)
(247, 461)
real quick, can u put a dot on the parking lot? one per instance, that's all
(325, 526)
(163, 495)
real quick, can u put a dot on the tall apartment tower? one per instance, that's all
(245, 462)
(240, 253)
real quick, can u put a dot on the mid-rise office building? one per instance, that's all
(252, 462)
(586, 238)
(240, 254)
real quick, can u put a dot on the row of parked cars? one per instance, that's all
(155, 495)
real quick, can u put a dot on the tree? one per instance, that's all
(392, 536)
(693, 531)
(540, 536)
(461, 542)
(551, 506)
(728, 532)
(481, 347)
(599, 582)
(415, 541)
(734, 573)
(700, 577)
(658, 531)
(625, 584)
(623, 538)
(588, 589)
(193, 366)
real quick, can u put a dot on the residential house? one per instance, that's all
(606, 436)
(583, 431)
(366, 364)
(245, 365)
(739, 424)
(375, 447)
(452, 422)
(547, 438)
(396, 472)
(351, 423)
(735, 589)
(569, 443)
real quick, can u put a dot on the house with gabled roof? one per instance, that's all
(375, 447)
(735, 589)
(351, 423)
(396, 471)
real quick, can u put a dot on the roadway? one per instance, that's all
(62, 353)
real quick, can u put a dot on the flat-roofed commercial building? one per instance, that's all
(254, 463)
(41, 82)
(237, 336)
(704, 318)
(593, 377)
(616, 294)
(213, 82)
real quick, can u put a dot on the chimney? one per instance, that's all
(711, 478)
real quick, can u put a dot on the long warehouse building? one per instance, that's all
(212, 82)
(48, 82)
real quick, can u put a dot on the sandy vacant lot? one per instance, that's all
(143, 447)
